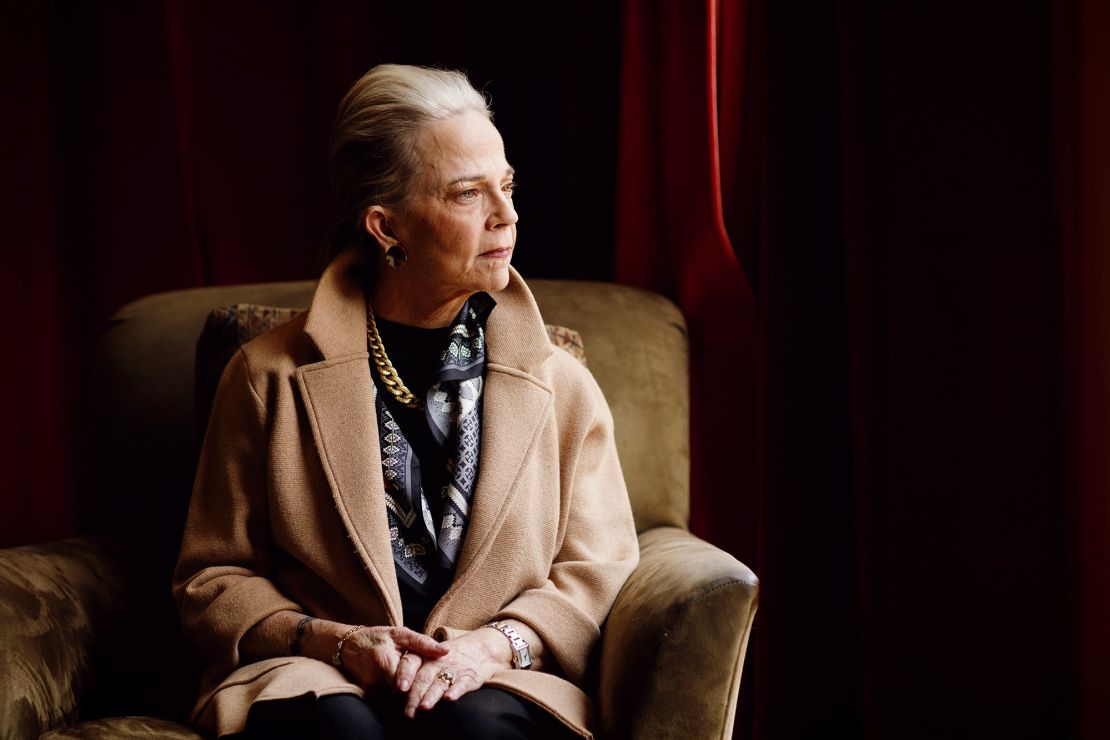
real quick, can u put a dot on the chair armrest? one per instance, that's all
(54, 600)
(673, 647)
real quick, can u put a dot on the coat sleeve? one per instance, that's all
(598, 551)
(220, 582)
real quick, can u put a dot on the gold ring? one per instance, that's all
(447, 676)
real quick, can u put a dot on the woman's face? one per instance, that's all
(460, 226)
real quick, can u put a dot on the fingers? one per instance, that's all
(389, 660)
(415, 642)
(425, 695)
(464, 682)
(406, 670)
(416, 649)
(424, 682)
(426, 687)
(434, 693)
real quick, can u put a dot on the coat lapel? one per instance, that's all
(514, 407)
(338, 397)
(340, 405)
(339, 400)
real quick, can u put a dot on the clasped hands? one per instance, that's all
(402, 660)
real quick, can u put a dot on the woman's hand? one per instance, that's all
(371, 656)
(473, 658)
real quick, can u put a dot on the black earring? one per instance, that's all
(396, 255)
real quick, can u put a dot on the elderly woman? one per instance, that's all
(409, 517)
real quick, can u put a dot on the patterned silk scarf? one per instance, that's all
(453, 411)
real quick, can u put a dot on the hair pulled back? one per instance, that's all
(372, 159)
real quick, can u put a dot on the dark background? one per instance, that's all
(916, 195)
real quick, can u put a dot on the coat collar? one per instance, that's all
(336, 319)
(338, 397)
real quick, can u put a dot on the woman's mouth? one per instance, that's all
(501, 253)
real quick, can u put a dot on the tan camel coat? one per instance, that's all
(288, 510)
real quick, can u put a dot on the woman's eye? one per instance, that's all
(468, 194)
(509, 187)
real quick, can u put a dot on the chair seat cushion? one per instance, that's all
(122, 728)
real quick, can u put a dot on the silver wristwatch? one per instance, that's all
(522, 657)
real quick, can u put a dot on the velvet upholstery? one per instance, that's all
(672, 650)
(57, 601)
(123, 728)
(668, 643)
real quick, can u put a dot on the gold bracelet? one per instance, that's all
(337, 658)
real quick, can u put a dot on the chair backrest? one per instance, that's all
(636, 348)
(142, 434)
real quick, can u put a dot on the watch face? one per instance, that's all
(525, 658)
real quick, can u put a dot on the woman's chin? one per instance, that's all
(502, 278)
(495, 277)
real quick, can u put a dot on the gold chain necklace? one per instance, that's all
(388, 373)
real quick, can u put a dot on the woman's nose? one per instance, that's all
(505, 212)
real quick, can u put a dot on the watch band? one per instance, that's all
(522, 656)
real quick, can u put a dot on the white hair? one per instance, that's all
(373, 158)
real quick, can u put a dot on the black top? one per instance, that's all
(415, 354)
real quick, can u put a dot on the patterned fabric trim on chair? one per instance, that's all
(225, 329)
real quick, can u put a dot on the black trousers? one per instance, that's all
(485, 714)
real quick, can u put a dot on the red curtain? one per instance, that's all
(117, 185)
(686, 208)
(1082, 156)
(34, 294)
(671, 234)
(886, 226)
(152, 146)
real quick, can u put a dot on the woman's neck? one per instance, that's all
(400, 300)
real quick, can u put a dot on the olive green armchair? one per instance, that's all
(90, 644)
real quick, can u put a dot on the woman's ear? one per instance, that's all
(376, 221)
